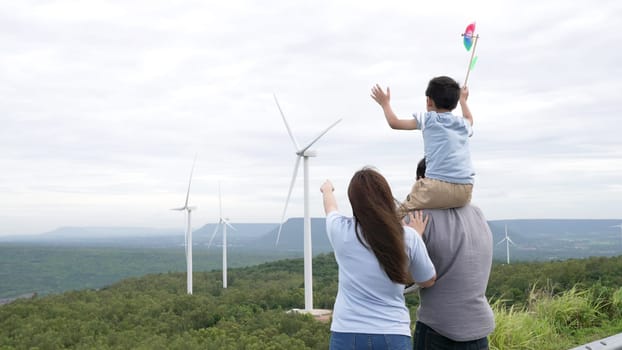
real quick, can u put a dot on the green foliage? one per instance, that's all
(513, 282)
(50, 269)
(517, 329)
(557, 320)
(617, 299)
(154, 311)
(570, 310)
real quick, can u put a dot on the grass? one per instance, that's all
(557, 321)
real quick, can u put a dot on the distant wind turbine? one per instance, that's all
(507, 241)
(224, 222)
(188, 239)
(304, 153)
(620, 226)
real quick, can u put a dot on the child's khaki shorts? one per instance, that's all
(429, 193)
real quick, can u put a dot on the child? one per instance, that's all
(448, 181)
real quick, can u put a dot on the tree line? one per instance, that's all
(154, 311)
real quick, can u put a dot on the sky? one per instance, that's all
(104, 105)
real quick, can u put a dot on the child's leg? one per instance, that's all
(429, 193)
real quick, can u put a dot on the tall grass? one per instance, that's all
(557, 321)
(517, 328)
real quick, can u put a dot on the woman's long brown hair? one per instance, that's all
(376, 220)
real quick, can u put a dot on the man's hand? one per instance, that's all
(382, 98)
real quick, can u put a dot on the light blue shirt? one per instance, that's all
(446, 146)
(367, 300)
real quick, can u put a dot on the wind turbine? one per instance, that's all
(620, 226)
(507, 244)
(304, 153)
(224, 222)
(188, 240)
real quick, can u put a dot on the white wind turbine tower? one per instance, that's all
(507, 241)
(224, 222)
(620, 226)
(188, 240)
(304, 153)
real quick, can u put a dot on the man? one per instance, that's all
(454, 313)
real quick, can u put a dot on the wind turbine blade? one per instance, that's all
(228, 224)
(501, 241)
(178, 208)
(317, 138)
(213, 235)
(510, 240)
(219, 200)
(190, 181)
(289, 131)
(289, 194)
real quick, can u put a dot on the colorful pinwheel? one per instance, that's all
(470, 41)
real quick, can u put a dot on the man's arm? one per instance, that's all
(466, 112)
(384, 100)
(328, 197)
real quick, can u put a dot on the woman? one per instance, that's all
(377, 257)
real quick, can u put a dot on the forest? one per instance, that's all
(45, 269)
(552, 305)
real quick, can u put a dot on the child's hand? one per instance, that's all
(464, 93)
(380, 96)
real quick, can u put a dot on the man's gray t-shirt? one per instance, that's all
(459, 243)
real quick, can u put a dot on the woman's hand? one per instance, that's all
(327, 187)
(328, 197)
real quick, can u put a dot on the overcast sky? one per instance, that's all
(103, 105)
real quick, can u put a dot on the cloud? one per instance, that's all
(105, 105)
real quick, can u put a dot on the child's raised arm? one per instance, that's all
(466, 112)
(384, 100)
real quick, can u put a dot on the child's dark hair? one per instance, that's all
(444, 91)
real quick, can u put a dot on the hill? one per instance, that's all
(557, 239)
(95, 236)
(45, 269)
(292, 236)
(140, 236)
(539, 239)
(154, 312)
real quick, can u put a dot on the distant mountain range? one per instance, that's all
(292, 236)
(142, 236)
(535, 239)
(557, 239)
(94, 236)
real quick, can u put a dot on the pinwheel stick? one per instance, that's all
(471, 60)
